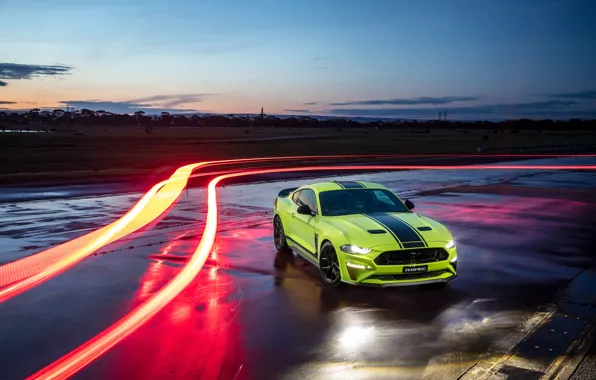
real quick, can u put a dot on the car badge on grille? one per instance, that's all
(413, 254)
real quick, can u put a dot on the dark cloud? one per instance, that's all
(310, 104)
(6, 102)
(21, 71)
(298, 111)
(576, 95)
(551, 108)
(171, 100)
(320, 63)
(173, 103)
(2, 84)
(406, 102)
(400, 112)
(528, 106)
(121, 107)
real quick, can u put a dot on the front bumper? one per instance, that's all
(362, 270)
(409, 283)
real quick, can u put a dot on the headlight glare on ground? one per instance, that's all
(354, 249)
(357, 337)
(451, 244)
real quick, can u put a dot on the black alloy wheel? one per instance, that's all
(279, 236)
(329, 266)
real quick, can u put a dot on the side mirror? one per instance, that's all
(409, 204)
(304, 210)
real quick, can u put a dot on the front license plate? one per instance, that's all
(421, 268)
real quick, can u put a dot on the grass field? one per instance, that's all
(83, 154)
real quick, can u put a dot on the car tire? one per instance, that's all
(329, 267)
(279, 236)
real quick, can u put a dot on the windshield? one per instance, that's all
(359, 201)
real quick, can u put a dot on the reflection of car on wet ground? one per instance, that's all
(362, 233)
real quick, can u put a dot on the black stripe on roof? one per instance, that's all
(350, 184)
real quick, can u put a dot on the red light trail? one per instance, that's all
(79, 358)
(19, 276)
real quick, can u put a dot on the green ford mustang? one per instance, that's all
(362, 233)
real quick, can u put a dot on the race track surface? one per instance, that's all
(255, 314)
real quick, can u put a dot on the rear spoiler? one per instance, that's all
(286, 192)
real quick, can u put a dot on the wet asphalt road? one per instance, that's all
(255, 314)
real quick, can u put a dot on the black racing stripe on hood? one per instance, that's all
(420, 237)
(414, 244)
(413, 229)
(385, 227)
(403, 231)
(350, 184)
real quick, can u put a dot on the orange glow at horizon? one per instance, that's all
(27, 96)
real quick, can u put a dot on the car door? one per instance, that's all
(290, 223)
(294, 225)
(305, 225)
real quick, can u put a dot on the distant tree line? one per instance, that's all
(58, 118)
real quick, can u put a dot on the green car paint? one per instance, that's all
(400, 247)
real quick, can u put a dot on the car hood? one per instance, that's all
(385, 228)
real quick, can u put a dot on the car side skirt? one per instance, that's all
(300, 250)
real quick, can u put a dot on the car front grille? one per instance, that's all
(412, 256)
(407, 276)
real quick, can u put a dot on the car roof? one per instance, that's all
(340, 185)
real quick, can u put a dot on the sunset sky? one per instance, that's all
(378, 58)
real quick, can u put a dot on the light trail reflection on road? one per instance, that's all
(88, 352)
(196, 336)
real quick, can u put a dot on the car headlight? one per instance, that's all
(451, 244)
(358, 266)
(354, 249)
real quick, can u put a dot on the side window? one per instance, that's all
(309, 198)
(296, 197)
(382, 197)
